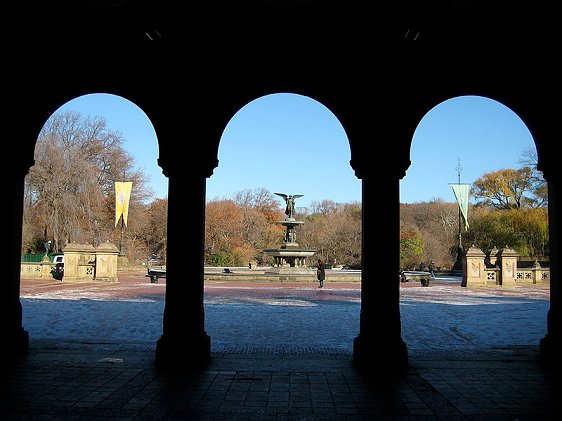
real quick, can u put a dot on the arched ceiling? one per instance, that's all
(355, 22)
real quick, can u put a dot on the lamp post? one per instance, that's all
(121, 246)
(458, 261)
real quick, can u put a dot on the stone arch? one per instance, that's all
(108, 108)
(323, 109)
(390, 94)
(434, 106)
(480, 104)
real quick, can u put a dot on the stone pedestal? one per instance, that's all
(106, 262)
(508, 266)
(474, 269)
(46, 267)
(79, 261)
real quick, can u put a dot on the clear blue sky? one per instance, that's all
(292, 144)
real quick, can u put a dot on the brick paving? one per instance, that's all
(62, 380)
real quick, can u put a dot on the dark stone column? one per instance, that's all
(379, 345)
(551, 344)
(184, 342)
(15, 340)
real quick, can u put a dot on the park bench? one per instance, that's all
(416, 275)
(155, 272)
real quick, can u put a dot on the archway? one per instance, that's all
(87, 145)
(287, 143)
(464, 140)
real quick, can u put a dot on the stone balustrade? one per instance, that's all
(82, 262)
(499, 267)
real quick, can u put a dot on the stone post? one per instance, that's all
(106, 262)
(46, 267)
(536, 272)
(508, 267)
(474, 273)
(77, 262)
(71, 257)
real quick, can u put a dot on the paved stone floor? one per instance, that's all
(88, 380)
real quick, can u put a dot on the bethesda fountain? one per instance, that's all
(289, 257)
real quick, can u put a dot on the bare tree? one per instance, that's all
(436, 224)
(335, 231)
(148, 234)
(70, 189)
(539, 197)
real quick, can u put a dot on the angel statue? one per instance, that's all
(290, 201)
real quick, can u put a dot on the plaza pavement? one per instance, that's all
(280, 351)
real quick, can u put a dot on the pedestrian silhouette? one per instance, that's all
(321, 272)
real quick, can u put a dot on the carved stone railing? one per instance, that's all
(500, 268)
(82, 262)
(36, 270)
(533, 276)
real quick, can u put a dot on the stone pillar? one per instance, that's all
(184, 342)
(78, 262)
(107, 255)
(508, 267)
(379, 345)
(46, 267)
(551, 344)
(71, 258)
(536, 271)
(15, 339)
(474, 273)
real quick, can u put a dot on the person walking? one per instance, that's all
(432, 269)
(321, 272)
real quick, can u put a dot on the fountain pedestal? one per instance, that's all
(290, 258)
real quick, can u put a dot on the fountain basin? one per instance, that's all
(290, 260)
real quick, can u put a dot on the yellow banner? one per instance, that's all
(122, 196)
